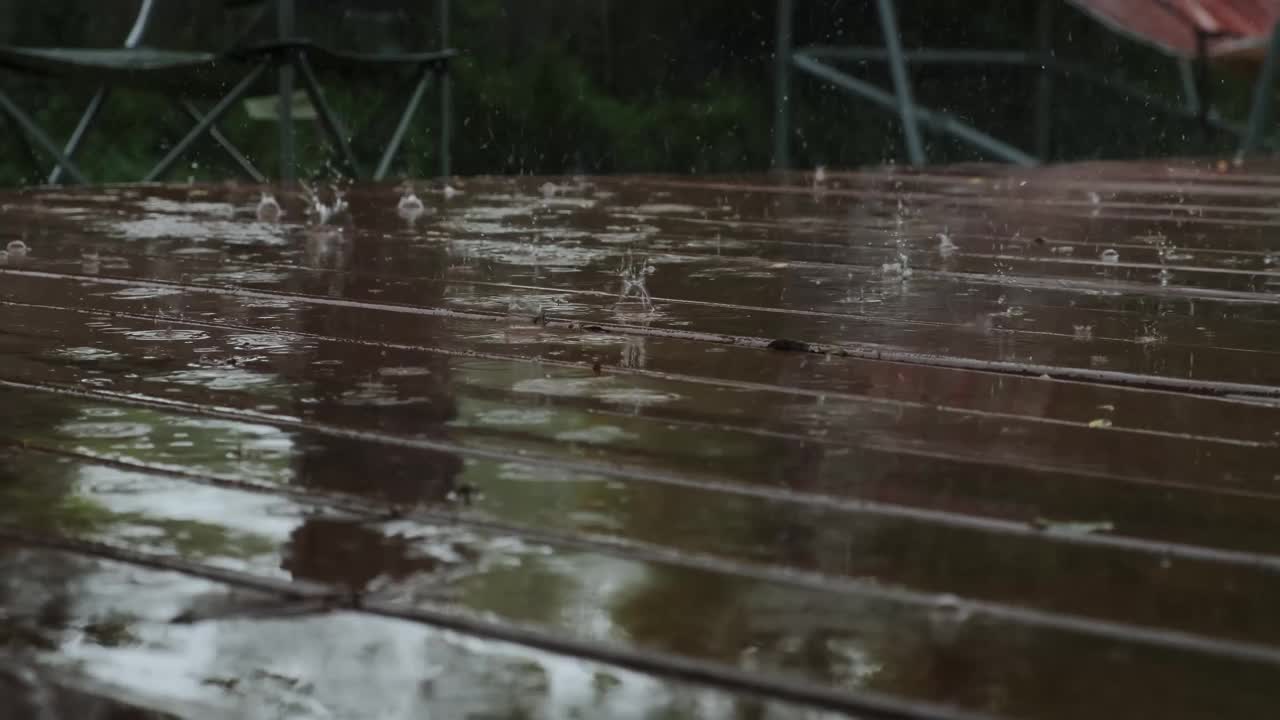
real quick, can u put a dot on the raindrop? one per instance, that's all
(1110, 256)
(1082, 332)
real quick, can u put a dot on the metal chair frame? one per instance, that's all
(815, 60)
(290, 57)
(286, 56)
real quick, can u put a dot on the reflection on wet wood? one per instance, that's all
(892, 444)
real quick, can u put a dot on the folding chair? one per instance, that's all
(1195, 32)
(289, 54)
(133, 65)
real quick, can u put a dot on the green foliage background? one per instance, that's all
(599, 86)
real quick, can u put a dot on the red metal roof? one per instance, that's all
(1172, 25)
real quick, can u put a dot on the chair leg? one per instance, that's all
(1044, 82)
(446, 122)
(82, 128)
(406, 117)
(782, 87)
(367, 139)
(284, 90)
(1263, 92)
(901, 82)
(446, 94)
(33, 131)
(1190, 93)
(231, 150)
(332, 125)
(28, 152)
(221, 108)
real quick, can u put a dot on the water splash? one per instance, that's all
(1110, 256)
(633, 273)
(410, 207)
(897, 270)
(321, 211)
(268, 210)
(945, 245)
(1150, 334)
(1096, 201)
(819, 180)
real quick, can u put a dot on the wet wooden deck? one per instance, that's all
(974, 443)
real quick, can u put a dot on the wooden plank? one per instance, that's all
(783, 470)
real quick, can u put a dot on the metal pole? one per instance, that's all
(1202, 81)
(232, 151)
(1260, 113)
(33, 131)
(446, 95)
(328, 119)
(782, 87)
(82, 128)
(938, 121)
(1190, 95)
(1044, 83)
(402, 127)
(284, 83)
(222, 108)
(136, 33)
(901, 83)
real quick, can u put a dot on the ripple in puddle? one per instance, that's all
(514, 416)
(143, 293)
(567, 387)
(218, 378)
(168, 335)
(260, 341)
(637, 396)
(247, 277)
(520, 472)
(105, 430)
(405, 371)
(86, 354)
(600, 434)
